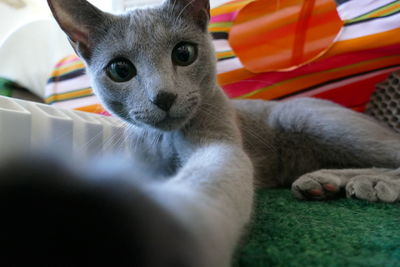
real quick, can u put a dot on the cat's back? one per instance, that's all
(253, 114)
(254, 107)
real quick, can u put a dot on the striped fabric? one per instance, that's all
(367, 49)
(365, 52)
(69, 87)
(384, 11)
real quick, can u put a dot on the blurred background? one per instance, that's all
(31, 45)
(14, 13)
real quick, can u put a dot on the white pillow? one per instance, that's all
(29, 54)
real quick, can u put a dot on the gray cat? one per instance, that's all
(155, 69)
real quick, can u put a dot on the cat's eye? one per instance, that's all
(184, 54)
(120, 70)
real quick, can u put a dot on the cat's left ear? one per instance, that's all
(198, 10)
(81, 21)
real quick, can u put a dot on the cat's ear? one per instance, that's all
(81, 21)
(199, 10)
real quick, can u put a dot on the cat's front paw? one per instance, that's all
(374, 188)
(318, 185)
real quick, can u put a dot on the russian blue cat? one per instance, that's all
(155, 69)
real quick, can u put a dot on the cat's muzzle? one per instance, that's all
(159, 119)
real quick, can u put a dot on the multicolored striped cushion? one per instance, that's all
(364, 53)
(367, 49)
(69, 87)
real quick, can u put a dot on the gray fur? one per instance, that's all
(305, 135)
(200, 142)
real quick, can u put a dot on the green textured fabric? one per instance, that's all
(343, 232)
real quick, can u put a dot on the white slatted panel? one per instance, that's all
(26, 125)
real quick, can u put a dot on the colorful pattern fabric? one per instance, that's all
(367, 49)
(69, 87)
(364, 53)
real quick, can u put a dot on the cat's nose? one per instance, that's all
(164, 100)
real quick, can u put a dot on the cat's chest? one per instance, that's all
(171, 151)
(162, 152)
(176, 148)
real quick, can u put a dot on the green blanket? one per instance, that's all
(344, 232)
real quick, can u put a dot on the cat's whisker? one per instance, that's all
(174, 4)
(156, 140)
(193, 92)
(193, 98)
(90, 141)
(113, 140)
(136, 112)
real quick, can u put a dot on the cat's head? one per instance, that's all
(152, 67)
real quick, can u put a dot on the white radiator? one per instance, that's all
(27, 125)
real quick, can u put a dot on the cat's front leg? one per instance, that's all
(212, 194)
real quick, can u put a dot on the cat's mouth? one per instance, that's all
(164, 122)
(170, 123)
(159, 120)
(156, 118)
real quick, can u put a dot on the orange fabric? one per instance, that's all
(301, 31)
(366, 42)
(292, 85)
(96, 108)
(340, 47)
(229, 7)
(283, 34)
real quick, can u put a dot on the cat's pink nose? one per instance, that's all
(164, 100)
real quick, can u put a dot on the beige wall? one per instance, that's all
(11, 18)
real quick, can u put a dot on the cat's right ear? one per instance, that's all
(80, 21)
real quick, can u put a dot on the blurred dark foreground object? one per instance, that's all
(52, 216)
